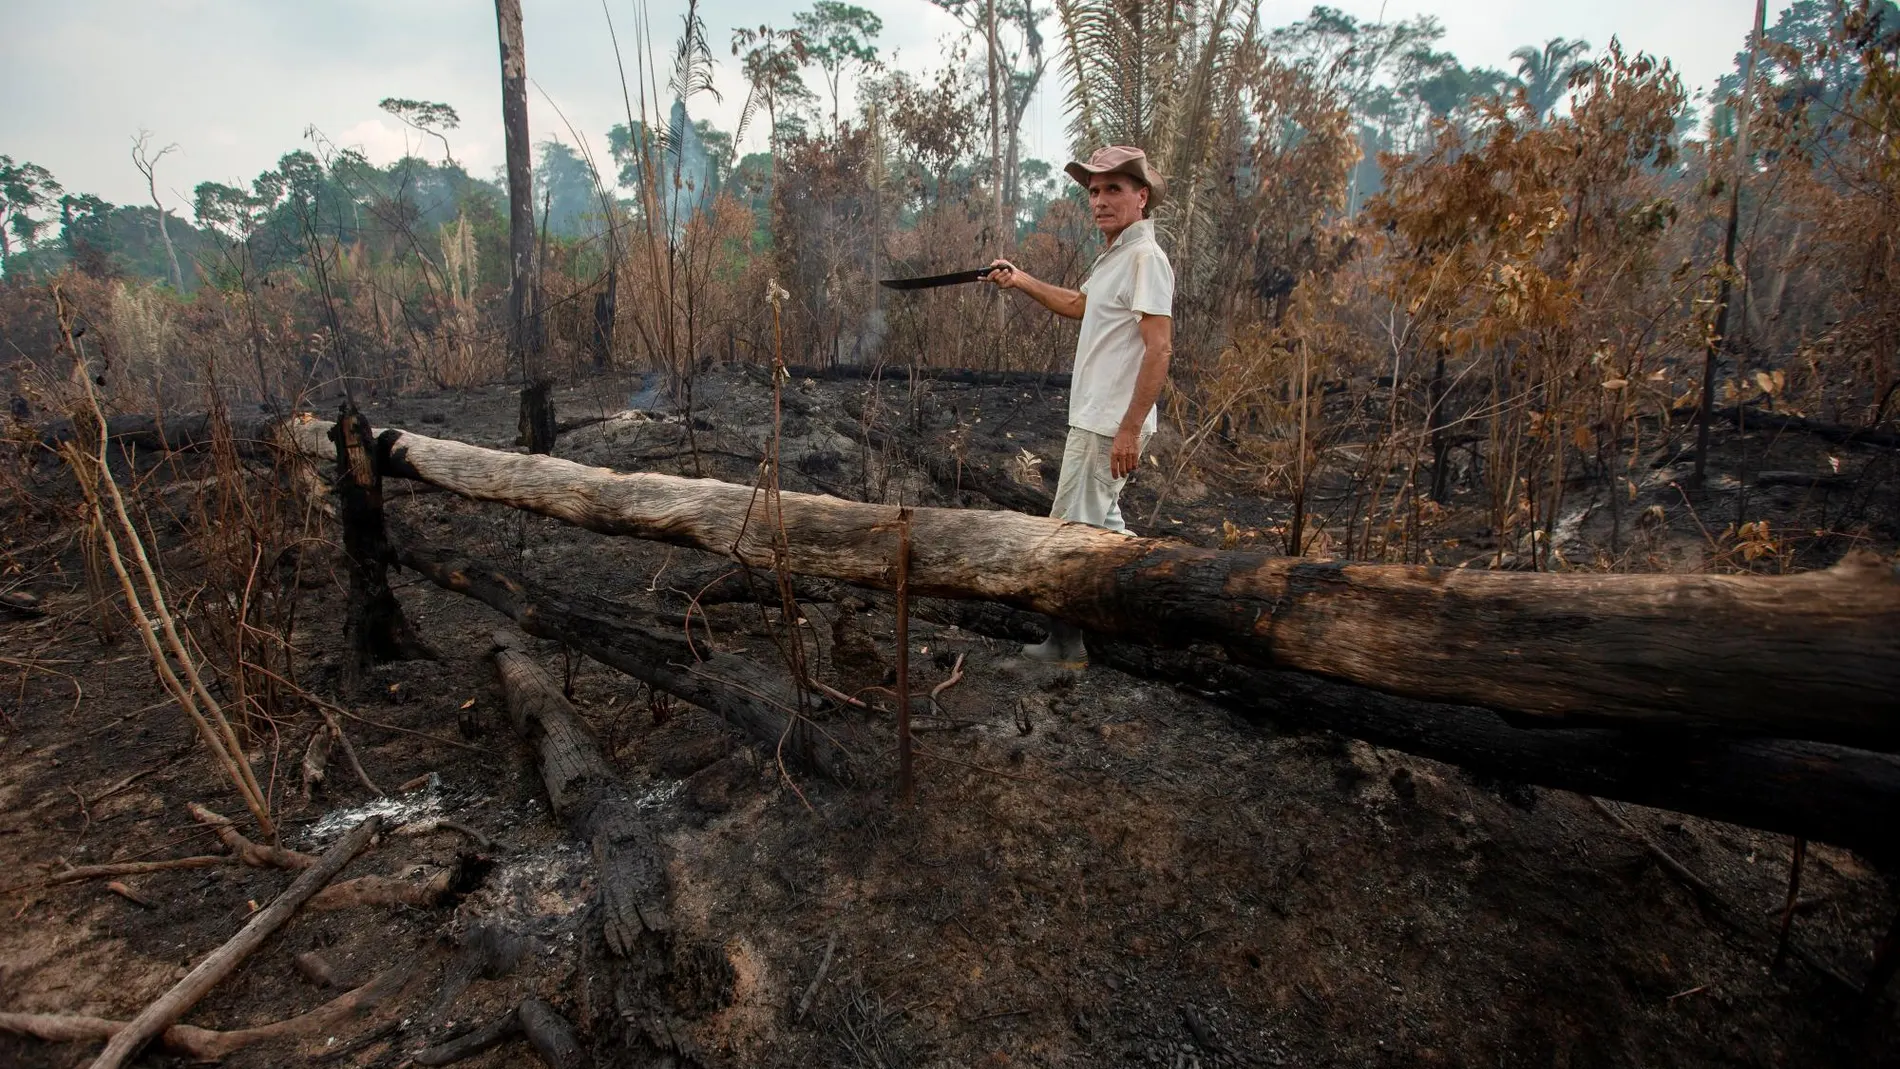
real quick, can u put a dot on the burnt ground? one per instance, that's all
(1097, 869)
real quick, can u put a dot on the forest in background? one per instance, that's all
(1398, 278)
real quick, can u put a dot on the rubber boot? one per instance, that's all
(1063, 646)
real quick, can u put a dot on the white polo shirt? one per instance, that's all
(1130, 279)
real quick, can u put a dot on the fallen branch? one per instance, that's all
(173, 1004)
(548, 1033)
(117, 869)
(256, 855)
(386, 891)
(204, 1044)
(489, 1036)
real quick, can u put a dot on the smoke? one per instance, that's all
(870, 340)
(687, 186)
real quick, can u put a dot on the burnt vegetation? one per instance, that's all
(1503, 674)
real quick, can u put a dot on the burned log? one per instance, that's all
(635, 945)
(1813, 656)
(959, 376)
(1831, 794)
(1815, 791)
(751, 699)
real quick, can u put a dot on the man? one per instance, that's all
(1121, 357)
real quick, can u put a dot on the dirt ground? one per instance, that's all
(1098, 870)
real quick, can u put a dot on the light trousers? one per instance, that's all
(1087, 491)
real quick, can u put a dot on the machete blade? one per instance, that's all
(932, 281)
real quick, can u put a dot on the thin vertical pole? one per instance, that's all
(905, 782)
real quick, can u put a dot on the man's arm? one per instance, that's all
(1157, 339)
(1065, 303)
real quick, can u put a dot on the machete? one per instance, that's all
(933, 281)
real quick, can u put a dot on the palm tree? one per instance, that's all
(1546, 73)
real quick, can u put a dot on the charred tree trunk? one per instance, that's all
(1813, 656)
(1827, 793)
(374, 628)
(524, 289)
(1441, 445)
(604, 303)
(634, 1018)
(751, 699)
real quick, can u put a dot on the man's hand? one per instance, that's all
(1067, 303)
(1125, 455)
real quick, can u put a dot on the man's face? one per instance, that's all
(1116, 201)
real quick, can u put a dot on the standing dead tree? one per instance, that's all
(147, 163)
(375, 627)
(525, 332)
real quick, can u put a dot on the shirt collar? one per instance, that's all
(1138, 231)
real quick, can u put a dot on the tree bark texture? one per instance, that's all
(636, 955)
(374, 628)
(524, 292)
(1813, 656)
(751, 698)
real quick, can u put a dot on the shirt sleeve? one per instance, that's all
(1152, 289)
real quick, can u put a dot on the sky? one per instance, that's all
(236, 83)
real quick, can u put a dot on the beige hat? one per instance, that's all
(1120, 159)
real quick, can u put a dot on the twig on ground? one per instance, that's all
(121, 868)
(130, 895)
(934, 756)
(1794, 895)
(349, 754)
(956, 676)
(1715, 907)
(824, 964)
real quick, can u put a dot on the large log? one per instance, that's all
(1811, 790)
(1813, 656)
(633, 956)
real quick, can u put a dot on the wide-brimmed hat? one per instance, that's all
(1119, 159)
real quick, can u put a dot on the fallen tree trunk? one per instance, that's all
(751, 699)
(1809, 790)
(903, 372)
(1755, 418)
(1814, 656)
(636, 950)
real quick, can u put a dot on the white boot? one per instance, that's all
(1063, 646)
